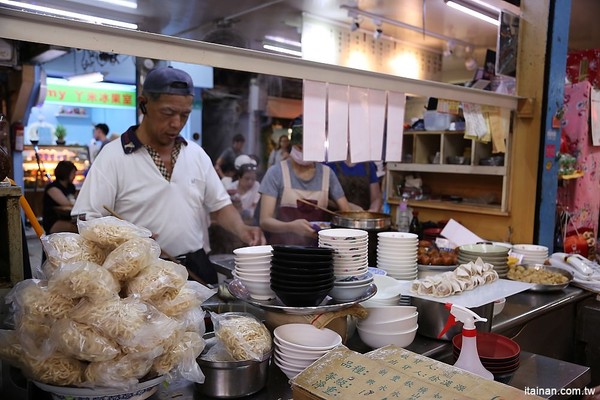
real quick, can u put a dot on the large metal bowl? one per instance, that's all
(540, 287)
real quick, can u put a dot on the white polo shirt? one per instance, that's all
(177, 212)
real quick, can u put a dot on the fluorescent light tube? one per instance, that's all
(472, 11)
(284, 50)
(283, 40)
(70, 14)
(86, 78)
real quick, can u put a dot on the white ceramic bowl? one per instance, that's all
(399, 325)
(262, 275)
(355, 280)
(292, 364)
(307, 336)
(377, 339)
(529, 248)
(253, 258)
(296, 352)
(499, 306)
(253, 251)
(347, 293)
(390, 313)
(289, 372)
(294, 357)
(342, 234)
(382, 281)
(253, 265)
(398, 258)
(397, 235)
(258, 289)
(391, 302)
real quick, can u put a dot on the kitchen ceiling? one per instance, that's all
(247, 22)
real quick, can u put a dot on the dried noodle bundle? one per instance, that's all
(131, 257)
(56, 369)
(34, 333)
(244, 337)
(32, 297)
(82, 341)
(160, 280)
(110, 232)
(84, 279)
(190, 296)
(190, 346)
(66, 247)
(122, 371)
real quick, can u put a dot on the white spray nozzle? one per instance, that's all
(462, 314)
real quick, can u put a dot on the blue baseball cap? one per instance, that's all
(168, 80)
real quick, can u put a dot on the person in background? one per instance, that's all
(153, 177)
(99, 140)
(245, 196)
(281, 152)
(283, 217)
(228, 156)
(59, 197)
(360, 184)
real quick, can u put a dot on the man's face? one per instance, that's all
(238, 145)
(166, 117)
(97, 134)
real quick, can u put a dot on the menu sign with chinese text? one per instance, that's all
(393, 373)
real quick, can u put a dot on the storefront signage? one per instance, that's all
(88, 96)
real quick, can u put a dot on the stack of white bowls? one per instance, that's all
(351, 250)
(388, 293)
(397, 254)
(389, 325)
(253, 269)
(531, 253)
(299, 345)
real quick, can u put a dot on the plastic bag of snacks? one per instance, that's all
(66, 247)
(160, 280)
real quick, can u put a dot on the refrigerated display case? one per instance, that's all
(37, 176)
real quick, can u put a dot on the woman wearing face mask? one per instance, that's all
(285, 219)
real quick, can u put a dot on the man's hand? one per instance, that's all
(253, 236)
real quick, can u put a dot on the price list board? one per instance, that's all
(393, 373)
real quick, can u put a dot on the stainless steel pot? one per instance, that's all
(231, 379)
(361, 220)
(371, 222)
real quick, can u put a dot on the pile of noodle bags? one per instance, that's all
(105, 311)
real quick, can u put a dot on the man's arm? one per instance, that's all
(229, 218)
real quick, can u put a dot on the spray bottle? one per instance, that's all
(469, 357)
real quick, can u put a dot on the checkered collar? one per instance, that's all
(131, 143)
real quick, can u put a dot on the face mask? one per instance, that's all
(297, 156)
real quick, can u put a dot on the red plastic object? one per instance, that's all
(492, 347)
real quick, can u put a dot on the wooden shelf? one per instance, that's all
(448, 168)
(488, 209)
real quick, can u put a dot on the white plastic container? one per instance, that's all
(436, 121)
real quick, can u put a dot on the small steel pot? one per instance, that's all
(361, 220)
(231, 379)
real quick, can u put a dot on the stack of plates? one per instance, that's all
(253, 269)
(351, 250)
(498, 354)
(299, 345)
(532, 253)
(397, 254)
(489, 253)
(301, 276)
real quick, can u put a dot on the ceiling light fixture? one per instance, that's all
(354, 11)
(70, 14)
(378, 31)
(283, 40)
(476, 10)
(280, 49)
(88, 77)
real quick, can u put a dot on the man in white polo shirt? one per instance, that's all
(154, 178)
